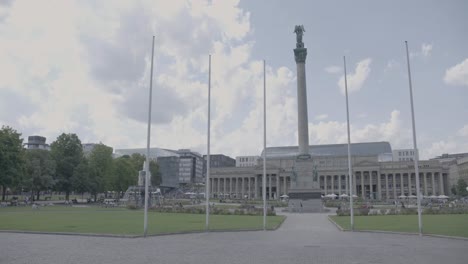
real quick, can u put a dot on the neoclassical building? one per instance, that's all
(374, 176)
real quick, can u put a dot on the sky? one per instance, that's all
(84, 67)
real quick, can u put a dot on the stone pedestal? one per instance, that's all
(305, 194)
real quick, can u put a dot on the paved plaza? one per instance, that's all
(303, 238)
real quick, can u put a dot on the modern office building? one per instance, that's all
(372, 179)
(177, 167)
(36, 142)
(218, 161)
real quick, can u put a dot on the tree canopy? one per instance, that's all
(68, 154)
(11, 157)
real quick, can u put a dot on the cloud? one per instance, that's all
(356, 80)
(458, 74)
(333, 69)
(463, 131)
(391, 64)
(332, 132)
(426, 49)
(321, 117)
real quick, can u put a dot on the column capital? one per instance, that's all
(300, 55)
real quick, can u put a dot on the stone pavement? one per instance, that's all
(303, 238)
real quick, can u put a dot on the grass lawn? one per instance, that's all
(449, 225)
(120, 221)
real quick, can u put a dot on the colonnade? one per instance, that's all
(249, 187)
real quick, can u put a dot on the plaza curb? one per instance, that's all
(397, 233)
(142, 236)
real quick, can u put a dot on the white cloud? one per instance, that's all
(356, 80)
(426, 49)
(321, 117)
(458, 74)
(463, 131)
(391, 64)
(335, 132)
(333, 69)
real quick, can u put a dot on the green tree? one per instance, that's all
(124, 174)
(155, 173)
(81, 177)
(138, 161)
(11, 158)
(39, 171)
(461, 187)
(100, 168)
(68, 154)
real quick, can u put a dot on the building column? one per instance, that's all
(370, 185)
(386, 186)
(285, 183)
(217, 186)
(256, 186)
(394, 186)
(237, 188)
(243, 187)
(332, 183)
(425, 183)
(379, 186)
(249, 182)
(224, 187)
(433, 183)
(230, 187)
(270, 196)
(325, 184)
(347, 185)
(339, 185)
(402, 185)
(211, 187)
(363, 194)
(277, 187)
(410, 189)
(441, 184)
(354, 183)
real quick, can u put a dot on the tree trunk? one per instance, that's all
(67, 195)
(3, 192)
(37, 197)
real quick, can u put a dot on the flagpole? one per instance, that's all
(147, 171)
(207, 184)
(350, 170)
(264, 149)
(416, 152)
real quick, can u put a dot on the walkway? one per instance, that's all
(303, 238)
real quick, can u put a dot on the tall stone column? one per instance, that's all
(285, 182)
(394, 186)
(370, 186)
(230, 187)
(300, 54)
(410, 189)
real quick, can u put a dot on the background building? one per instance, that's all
(247, 161)
(36, 142)
(372, 179)
(403, 155)
(177, 167)
(218, 161)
